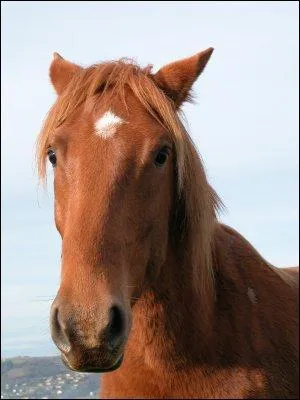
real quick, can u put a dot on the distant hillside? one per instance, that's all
(45, 378)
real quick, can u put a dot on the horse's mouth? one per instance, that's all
(92, 368)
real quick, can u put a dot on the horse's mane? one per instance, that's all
(196, 201)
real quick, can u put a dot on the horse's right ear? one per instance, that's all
(61, 72)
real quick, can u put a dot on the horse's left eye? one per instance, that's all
(52, 157)
(162, 156)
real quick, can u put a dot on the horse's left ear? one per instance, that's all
(177, 78)
(61, 72)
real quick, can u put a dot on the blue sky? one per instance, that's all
(245, 125)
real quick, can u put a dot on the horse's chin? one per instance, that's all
(93, 368)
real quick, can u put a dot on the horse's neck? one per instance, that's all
(255, 300)
(168, 320)
(169, 345)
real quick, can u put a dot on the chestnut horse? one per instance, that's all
(154, 291)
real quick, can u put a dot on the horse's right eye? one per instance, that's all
(52, 157)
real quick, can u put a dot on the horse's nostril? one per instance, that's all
(116, 326)
(54, 321)
(58, 333)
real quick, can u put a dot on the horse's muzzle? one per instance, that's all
(89, 343)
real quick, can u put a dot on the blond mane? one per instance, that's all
(197, 202)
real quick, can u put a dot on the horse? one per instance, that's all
(156, 294)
